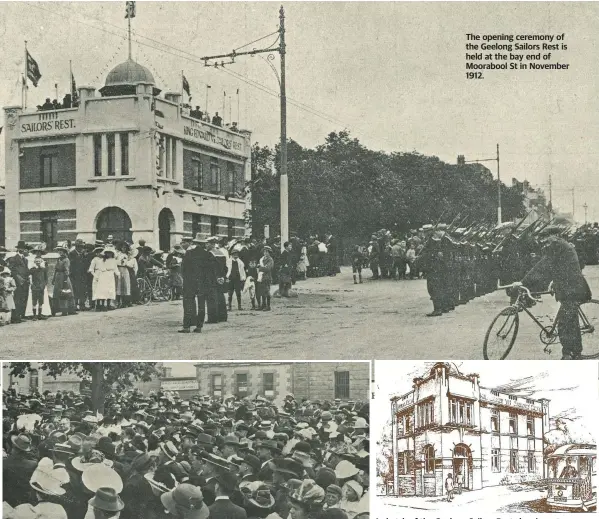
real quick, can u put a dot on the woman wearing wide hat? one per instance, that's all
(307, 501)
(105, 274)
(63, 289)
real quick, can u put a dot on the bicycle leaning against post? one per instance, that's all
(502, 332)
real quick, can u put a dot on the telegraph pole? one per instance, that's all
(586, 207)
(496, 159)
(281, 49)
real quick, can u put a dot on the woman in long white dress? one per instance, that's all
(123, 281)
(105, 272)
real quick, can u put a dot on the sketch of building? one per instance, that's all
(450, 424)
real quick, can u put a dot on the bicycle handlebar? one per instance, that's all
(526, 290)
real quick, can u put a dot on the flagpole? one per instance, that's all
(182, 87)
(71, 82)
(207, 89)
(56, 91)
(24, 94)
(238, 122)
(230, 115)
(129, 27)
(224, 106)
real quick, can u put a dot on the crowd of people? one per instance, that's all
(205, 272)
(158, 456)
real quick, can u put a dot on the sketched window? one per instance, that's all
(496, 460)
(494, 420)
(531, 461)
(530, 426)
(513, 461)
(429, 459)
(513, 423)
(49, 170)
(401, 420)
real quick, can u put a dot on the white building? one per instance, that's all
(124, 162)
(449, 423)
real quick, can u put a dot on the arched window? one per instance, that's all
(113, 221)
(429, 459)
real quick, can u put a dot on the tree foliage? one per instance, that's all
(104, 376)
(346, 188)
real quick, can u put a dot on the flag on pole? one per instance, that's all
(130, 9)
(73, 85)
(186, 86)
(208, 86)
(33, 70)
(238, 91)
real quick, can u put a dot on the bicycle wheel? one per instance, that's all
(588, 318)
(145, 291)
(163, 289)
(501, 335)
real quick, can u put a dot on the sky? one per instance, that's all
(391, 73)
(571, 389)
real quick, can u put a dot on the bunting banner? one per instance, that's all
(33, 70)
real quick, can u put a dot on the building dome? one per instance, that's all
(123, 79)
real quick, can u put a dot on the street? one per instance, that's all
(502, 499)
(330, 319)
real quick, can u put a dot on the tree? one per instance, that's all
(103, 376)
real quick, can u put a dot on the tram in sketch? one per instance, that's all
(572, 474)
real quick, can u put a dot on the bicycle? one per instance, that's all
(155, 286)
(504, 328)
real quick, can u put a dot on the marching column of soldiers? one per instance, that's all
(462, 263)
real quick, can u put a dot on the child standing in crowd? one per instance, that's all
(265, 267)
(7, 301)
(39, 280)
(357, 259)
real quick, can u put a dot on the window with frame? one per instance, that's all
(342, 384)
(494, 420)
(49, 228)
(215, 181)
(217, 385)
(97, 155)
(429, 459)
(513, 461)
(231, 188)
(124, 153)
(530, 426)
(461, 411)
(196, 224)
(401, 421)
(402, 462)
(496, 460)
(230, 228)
(49, 169)
(426, 413)
(530, 461)
(513, 423)
(409, 423)
(213, 225)
(197, 175)
(110, 142)
(242, 384)
(268, 384)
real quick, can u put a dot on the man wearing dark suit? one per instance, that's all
(17, 470)
(19, 267)
(560, 264)
(199, 271)
(223, 508)
(78, 274)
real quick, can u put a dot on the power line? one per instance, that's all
(196, 59)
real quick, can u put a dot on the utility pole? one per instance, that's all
(498, 189)
(281, 49)
(496, 159)
(586, 207)
(550, 199)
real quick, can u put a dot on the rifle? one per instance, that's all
(511, 233)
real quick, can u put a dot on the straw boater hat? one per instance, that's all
(100, 476)
(199, 238)
(169, 450)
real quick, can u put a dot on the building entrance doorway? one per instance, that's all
(462, 464)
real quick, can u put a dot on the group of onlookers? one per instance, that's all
(158, 456)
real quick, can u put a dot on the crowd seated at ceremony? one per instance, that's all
(157, 456)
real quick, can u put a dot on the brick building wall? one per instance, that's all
(31, 165)
(317, 380)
